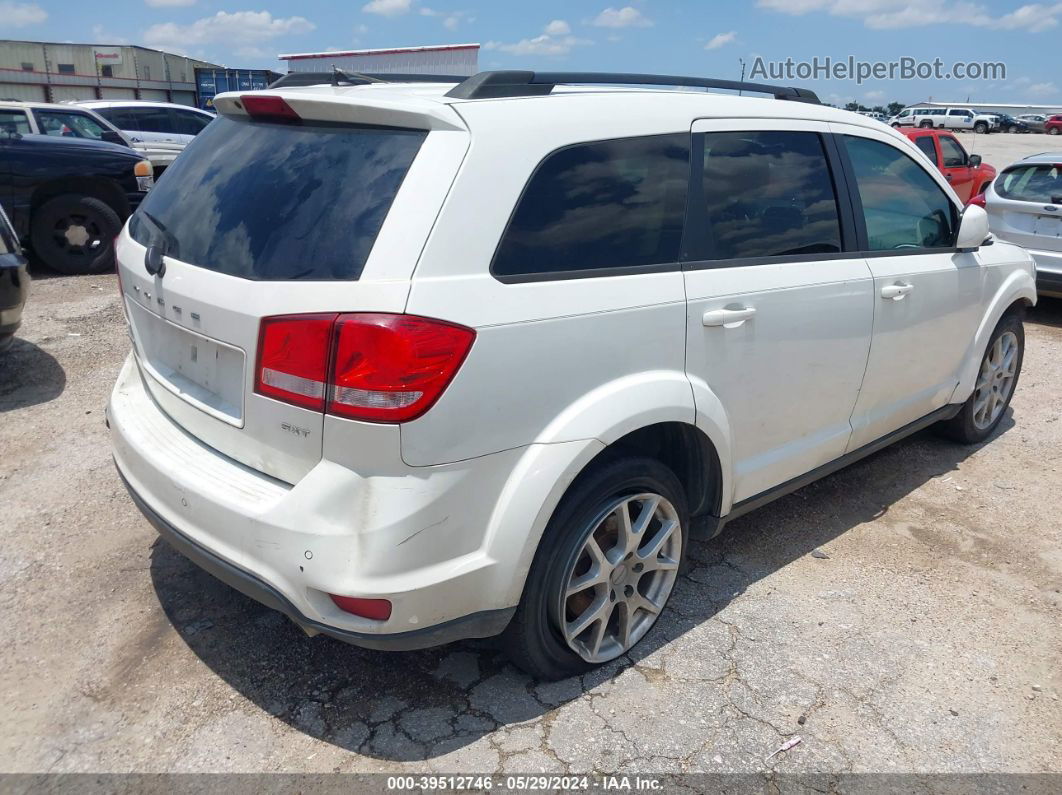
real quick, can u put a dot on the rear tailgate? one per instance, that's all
(259, 218)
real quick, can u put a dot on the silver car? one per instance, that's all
(1024, 206)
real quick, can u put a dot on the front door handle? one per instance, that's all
(728, 318)
(896, 292)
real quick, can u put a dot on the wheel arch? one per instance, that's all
(105, 190)
(1015, 294)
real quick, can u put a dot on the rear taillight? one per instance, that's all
(293, 357)
(977, 201)
(364, 366)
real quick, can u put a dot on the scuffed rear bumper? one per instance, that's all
(417, 538)
(477, 625)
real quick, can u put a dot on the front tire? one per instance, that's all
(75, 234)
(604, 570)
(980, 128)
(1053, 131)
(997, 379)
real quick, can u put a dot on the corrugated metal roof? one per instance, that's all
(385, 51)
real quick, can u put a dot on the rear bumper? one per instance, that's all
(478, 625)
(420, 538)
(1048, 271)
(14, 287)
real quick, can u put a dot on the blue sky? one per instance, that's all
(703, 38)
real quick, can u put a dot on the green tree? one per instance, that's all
(894, 108)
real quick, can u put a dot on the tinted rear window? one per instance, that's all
(278, 201)
(1032, 183)
(608, 204)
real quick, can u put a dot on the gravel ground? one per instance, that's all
(902, 615)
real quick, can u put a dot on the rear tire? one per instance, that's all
(997, 379)
(1053, 131)
(633, 581)
(925, 124)
(75, 234)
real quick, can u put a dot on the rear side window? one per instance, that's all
(1032, 183)
(597, 206)
(903, 206)
(14, 121)
(278, 201)
(767, 194)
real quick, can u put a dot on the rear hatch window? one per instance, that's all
(268, 201)
(1041, 182)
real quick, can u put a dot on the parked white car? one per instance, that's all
(1024, 206)
(447, 361)
(946, 118)
(47, 118)
(159, 129)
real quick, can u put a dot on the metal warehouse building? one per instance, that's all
(443, 59)
(52, 72)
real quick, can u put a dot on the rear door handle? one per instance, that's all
(729, 318)
(896, 292)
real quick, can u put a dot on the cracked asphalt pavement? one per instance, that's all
(902, 615)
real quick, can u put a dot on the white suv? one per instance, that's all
(414, 363)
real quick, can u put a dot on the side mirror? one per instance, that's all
(113, 137)
(974, 161)
(973, 228)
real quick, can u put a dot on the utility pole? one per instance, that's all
(742, 62)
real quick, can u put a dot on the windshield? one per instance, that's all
(262, 200)
(1041, 182)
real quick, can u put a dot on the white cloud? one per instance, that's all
(1042, 90)
(555, 40)
(240, 29)
(169, 3)
(18, 15)
(451, 20)
(539, 45)
(874, 96)
(720, 40)
(387, 8)
(626, 17)
(897, 14)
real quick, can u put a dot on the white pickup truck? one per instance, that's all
(946, 118)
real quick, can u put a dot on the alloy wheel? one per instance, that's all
(621, 578)
(995, 382)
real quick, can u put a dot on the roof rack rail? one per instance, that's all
(513, 83)
(341, 77)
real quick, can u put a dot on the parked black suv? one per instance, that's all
(14, 282)
(68, 197)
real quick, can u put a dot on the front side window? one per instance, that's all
(925, 143)
(14, 121)
(607, 204)
(768, 194)
(903, 206)
(952, 153)
(1032, 183)
(68, 125)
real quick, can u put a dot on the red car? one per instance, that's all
(1053, 125)
(965, 172)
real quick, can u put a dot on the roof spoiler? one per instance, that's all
(339, 77)
(513, 83)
